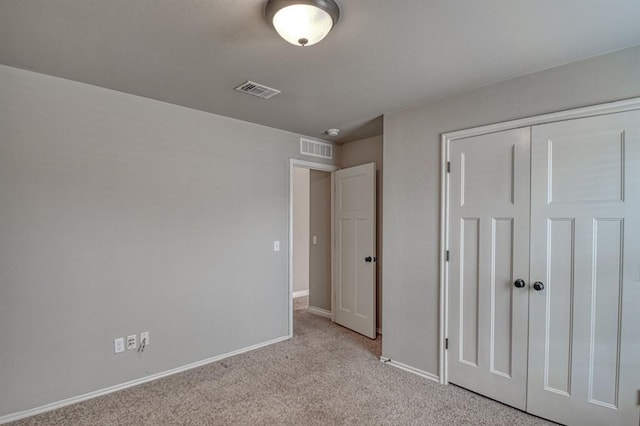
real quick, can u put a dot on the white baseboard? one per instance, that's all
(319, 311)
(300, 293)
(410, 369)
(75, 399)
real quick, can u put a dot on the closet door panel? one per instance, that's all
(584, 350)
(489, 251)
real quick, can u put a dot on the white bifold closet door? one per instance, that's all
(558, 207)
(584, 338)
(489, 251)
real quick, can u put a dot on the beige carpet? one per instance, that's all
(300, 303)
(325, 375)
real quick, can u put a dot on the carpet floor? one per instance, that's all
(325, 375)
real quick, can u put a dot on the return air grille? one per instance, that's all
(259, 90)
(316, 149)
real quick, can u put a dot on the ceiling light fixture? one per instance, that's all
(333, 132)
(302, 22)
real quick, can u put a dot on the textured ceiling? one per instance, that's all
(382, 56)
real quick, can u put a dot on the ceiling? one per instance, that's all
(382, 56)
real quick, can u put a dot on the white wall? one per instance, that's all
(120, 214)
(300, 248)
(412, 182)
(365, 151)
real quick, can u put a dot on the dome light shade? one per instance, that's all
(302, 22)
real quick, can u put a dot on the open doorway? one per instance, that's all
(310, 239)
(341, 242)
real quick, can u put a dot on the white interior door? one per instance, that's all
(489, 253)
(355, 243)
(584, 351)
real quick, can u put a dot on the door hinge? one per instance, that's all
(446, 343)
(448, 166)
(447, 255)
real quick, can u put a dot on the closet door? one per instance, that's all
(584, 350)
(489, 264)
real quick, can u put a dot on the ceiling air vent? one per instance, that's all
(258, 90)
(316, 149)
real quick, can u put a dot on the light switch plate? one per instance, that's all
(276, 246)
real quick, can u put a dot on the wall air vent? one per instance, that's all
(258, 90)
(316, 149)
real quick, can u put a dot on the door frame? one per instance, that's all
(446, 139)
(293, 163)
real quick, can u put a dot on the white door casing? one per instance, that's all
(355, 242)
(489, 251)
(584, 350)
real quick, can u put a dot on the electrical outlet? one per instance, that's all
(144, 339)
(132, 342)
(118, 345)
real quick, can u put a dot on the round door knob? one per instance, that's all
(538, 286)
(368, 259)
(519, 283)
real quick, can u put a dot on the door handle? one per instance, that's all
(369, 259)
(519, 283)
(538, 286)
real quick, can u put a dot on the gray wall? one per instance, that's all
(120, 214)
(300, 229)
(412, 182)
(320, 253)
(365, 151)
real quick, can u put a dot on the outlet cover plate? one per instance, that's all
(118, 345)
(144, 338)
(132, 342)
